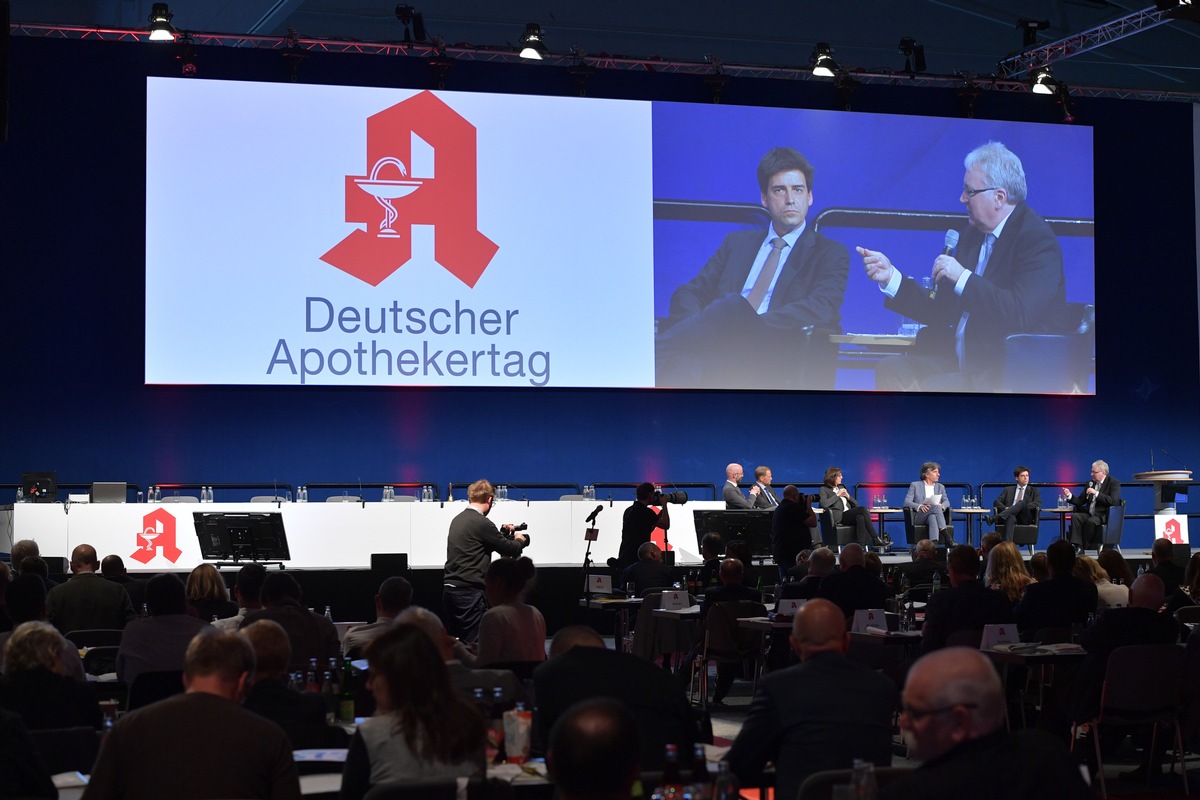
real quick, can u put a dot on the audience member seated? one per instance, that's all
(1109, 594)
(821, 563)
(967, 606)
(731, 589)
(112, 567)
(463, 678)
(34, 686)
(580, 667)
(821, 714)
(247, 592)
(1006, 572)
(711, 548)
(36, 565)
(300, 714)
(1061, 601)
(87, 600)
(394, 595)
(208, 595)
(924, 566)
(1141, 622)
(22, 773)
(1112, 562)
(873, 564)
(648, 573)
(25, 549)
(159, 642)
(593, 752)
(853, 588)
(739, 549)
(1164, 566)
(1039, 569)
(953, 721)
(311, 635)
(510, 630)
(800, 570)
(25, 601)
(231, 752)
(1188, 593)
(986, 543)
(422, 728)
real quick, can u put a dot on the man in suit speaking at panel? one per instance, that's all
(1016, 505)
(758, 291)
(1005, 277)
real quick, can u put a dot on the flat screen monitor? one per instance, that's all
(226, 536)
(39, 487)
(751, 525)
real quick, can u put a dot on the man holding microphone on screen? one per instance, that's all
(1005, 276)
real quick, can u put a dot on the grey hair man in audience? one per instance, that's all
(821, 562)
(232, 752)
(953, 720)
(593, 753)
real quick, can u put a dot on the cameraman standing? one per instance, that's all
(639, 522)
(473, 538)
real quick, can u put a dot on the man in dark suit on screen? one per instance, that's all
(1006, 276)
(1016, 505)
(756, 288)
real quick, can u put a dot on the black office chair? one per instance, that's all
(1027, 535)
(842, 534)
(1110, 531)
(914, 532)
(1052, 362)
(150, 687)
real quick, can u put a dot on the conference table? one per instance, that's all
(153, 537)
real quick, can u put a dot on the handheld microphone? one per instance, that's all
(947, 249)
(592, 517)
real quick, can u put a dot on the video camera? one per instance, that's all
(677, 497)
(507, 534)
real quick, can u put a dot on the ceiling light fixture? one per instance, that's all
(532, 45)
(1043, 82)
(160, 23)
(823, 65)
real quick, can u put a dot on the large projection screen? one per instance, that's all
(334, 236)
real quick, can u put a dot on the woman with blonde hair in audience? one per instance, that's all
(35, 685)
(1109, 594)
(1006, 571)
(422, 729)
(207, 593)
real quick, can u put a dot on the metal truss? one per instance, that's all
(1078, 43)
(438, 54)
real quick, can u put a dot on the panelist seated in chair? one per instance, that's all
(758, 287)
(843, 509)
(1017, 505)
(1091, 507)
(929, 503)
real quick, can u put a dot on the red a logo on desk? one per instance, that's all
(420, 170)
(158, 530)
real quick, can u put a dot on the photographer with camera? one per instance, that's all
(472, 540)
(640, 520)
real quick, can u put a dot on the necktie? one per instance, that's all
(1020, 493)
(759, 290)
(985, 253)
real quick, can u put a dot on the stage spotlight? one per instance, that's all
(822, 61)
(413, 22)
(1180, 9)
(532, 45)
(1044, 82)
(914, 55)
(160, 23)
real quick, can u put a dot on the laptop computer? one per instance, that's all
(108, 492)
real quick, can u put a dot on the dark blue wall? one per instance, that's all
(71, 329)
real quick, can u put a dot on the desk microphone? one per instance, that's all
(592, 517)
(947, 250)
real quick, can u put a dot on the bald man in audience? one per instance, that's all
(230, 752)
(820, 714)
(953, 720)
(87, 600)
(580, 666)
(648, 572)
(853, 588)
(593, 753)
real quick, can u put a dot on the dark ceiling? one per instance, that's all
(958, 37)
